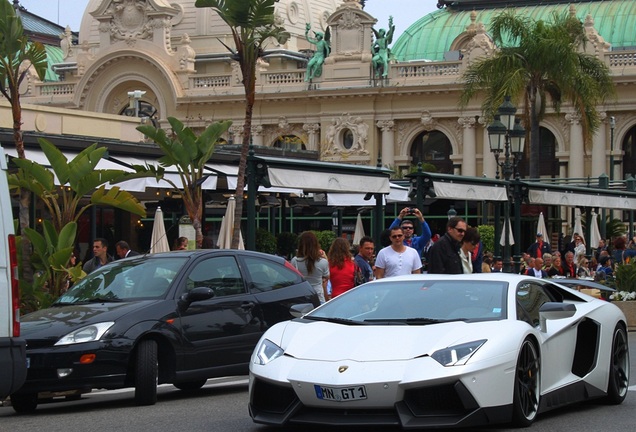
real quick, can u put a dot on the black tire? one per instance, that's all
(527, 391)
(24, 403)
(146, 373)
(190, 385)
(618, 384)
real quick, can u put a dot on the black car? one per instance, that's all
(178, 317)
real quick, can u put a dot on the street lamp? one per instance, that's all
(451, 212)
(612, 126)
(507, 136)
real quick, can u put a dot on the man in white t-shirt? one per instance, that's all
(397, 259)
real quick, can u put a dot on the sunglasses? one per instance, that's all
(397, 236)
(407, 227)
(459, 230)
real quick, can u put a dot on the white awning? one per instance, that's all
(140, 184)
(397, 194)
(573, 199)
(471, 192)
(316, 181)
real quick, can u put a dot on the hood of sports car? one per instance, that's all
(333, 342)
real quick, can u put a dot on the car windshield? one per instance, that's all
(418, 302)
(142, 278)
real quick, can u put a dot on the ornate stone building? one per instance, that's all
(173, 54)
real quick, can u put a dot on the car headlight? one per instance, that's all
(458, 354)
(266, 352)
(89, 333)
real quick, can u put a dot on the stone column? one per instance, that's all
(388, 142)
(257, 135)
(490, 167)
(469, 164)
(312, 130)
(599, 149)
(576, 165)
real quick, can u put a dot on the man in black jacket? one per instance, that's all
(444, 254)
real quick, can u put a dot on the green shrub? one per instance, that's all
(325, 238)
(487, 234)
(625, 277)
(265, 241)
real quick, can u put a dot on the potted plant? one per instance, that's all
(625, 282)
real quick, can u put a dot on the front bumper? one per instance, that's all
(108, 370)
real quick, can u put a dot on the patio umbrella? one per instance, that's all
(578, 228)
(359, 232)
(158, 239)
(225, 234)
(595, 233)
(541, 226)
(511, 239)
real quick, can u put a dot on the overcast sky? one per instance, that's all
(405, 12)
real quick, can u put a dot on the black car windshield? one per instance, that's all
(140, 278)
(418, 302)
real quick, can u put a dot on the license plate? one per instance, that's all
(340, 394)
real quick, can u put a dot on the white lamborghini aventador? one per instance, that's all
(427, 351)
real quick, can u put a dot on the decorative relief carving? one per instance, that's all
(428, 121)
(293, 12)
(467, 122)
(385, 125)
(347, 135)
(130, 21)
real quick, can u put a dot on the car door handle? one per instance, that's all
(247, 306)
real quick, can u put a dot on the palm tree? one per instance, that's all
(188, 154)
(536, 59)
(16, 55)
(80, 177)
(251, 22)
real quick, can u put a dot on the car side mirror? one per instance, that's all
(301, 309)
(555, 311)
(195, 295)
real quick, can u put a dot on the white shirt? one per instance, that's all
(467, 262)
(398, 263)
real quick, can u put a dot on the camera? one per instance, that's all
(410, 211)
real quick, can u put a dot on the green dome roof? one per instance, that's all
(431, 36)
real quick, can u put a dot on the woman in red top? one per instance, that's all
(341, 267)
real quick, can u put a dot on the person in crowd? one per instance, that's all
(309, 262)
(397, 259)
(569, 267)
(570, 244)
(486, 265)
(364, 256)
(620, 244)
(584, 267)
(181, 243)
(410, 239)
(547, 261)
(606, 268)
(100, 256)
(602, 246)
(341, 267)
(444, 254)
(525, 263)
(579, 248)
(537, 270)
(122, 250)
(468, 243)
(556, 269)
(539, 247)
(497, 265)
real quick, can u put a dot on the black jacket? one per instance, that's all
(444, 257)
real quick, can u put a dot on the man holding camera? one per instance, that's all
(410, 239)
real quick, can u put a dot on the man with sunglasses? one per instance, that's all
(410, 239)
(444, 254)
(397, 259)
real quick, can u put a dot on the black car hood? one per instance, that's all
(57, 321)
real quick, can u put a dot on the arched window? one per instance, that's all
(629, 158)
(548, 163)
(433, 148)
(289, 142)
(146, 109)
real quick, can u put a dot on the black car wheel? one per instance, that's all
(619, 368)
(190, 385)
(146, 373)
(24, 403)
(526, 385)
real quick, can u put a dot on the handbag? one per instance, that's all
(358, 277)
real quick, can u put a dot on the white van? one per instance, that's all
(13, 367)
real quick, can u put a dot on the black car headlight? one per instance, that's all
(89, 333)
(266, 352)
(457, 355)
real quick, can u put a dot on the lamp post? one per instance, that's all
(451, 212)
(507, 136)
(612, 126)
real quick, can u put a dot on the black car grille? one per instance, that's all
(272, 398)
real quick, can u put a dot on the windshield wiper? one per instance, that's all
(432, 320)
(334, 320)
(102, 300)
